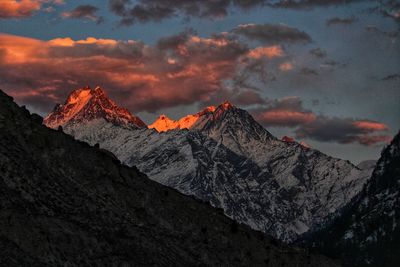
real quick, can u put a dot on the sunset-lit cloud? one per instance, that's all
(286, 118)
(285, 112)
(135, 73)
(22, 8)
(344, 131)
(286, 66)
(268, 52)
(290, 112)
(370, 126)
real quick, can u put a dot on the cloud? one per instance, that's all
(143, 11)
(308, 4)
(178, 70)
(344, 131)
(318, 52)
(388, 8)
(22, 8)
(341, 21)
(84, 12)
(290, 112)
(156, 10)
(286, 66)
(391, 77)
(248, 97)
(390, 34)
(308, 71)
(243, 96)
(268, 52)
(374, 139)
(286, 112)
(272, 33)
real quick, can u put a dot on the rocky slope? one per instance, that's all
(226, 158)
(64, 203)
(368, 231)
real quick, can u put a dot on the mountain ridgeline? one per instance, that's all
(66, 203)
(368, 231)
(223, 156)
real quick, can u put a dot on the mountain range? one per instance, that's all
(221, 155)
(367, 233)
(65, 203)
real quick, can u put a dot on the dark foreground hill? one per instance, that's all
(63, 202)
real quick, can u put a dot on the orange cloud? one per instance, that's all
(22, 8)
(370, 140)
(286, 66)
(289, 112)
(137, 75)
(370, 125)
(268, 52)
(285, 117)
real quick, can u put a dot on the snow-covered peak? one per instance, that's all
(86, 104)
(163, 124)
(191, 121)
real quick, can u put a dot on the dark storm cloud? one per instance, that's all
(272, 33)
(341, 21)
(318, 52)
(84, 12)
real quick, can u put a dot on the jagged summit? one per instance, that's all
(86, 104)
(197, 121)
(191, 121)
(163, 124)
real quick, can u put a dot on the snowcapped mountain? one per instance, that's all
(223, 156)
(64, 203)
(163, 123)
(87, 104)
(368, 231)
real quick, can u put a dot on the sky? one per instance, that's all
(325, 72)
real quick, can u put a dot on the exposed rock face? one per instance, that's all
(64, 203)
(368, 231)
(226, 158)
